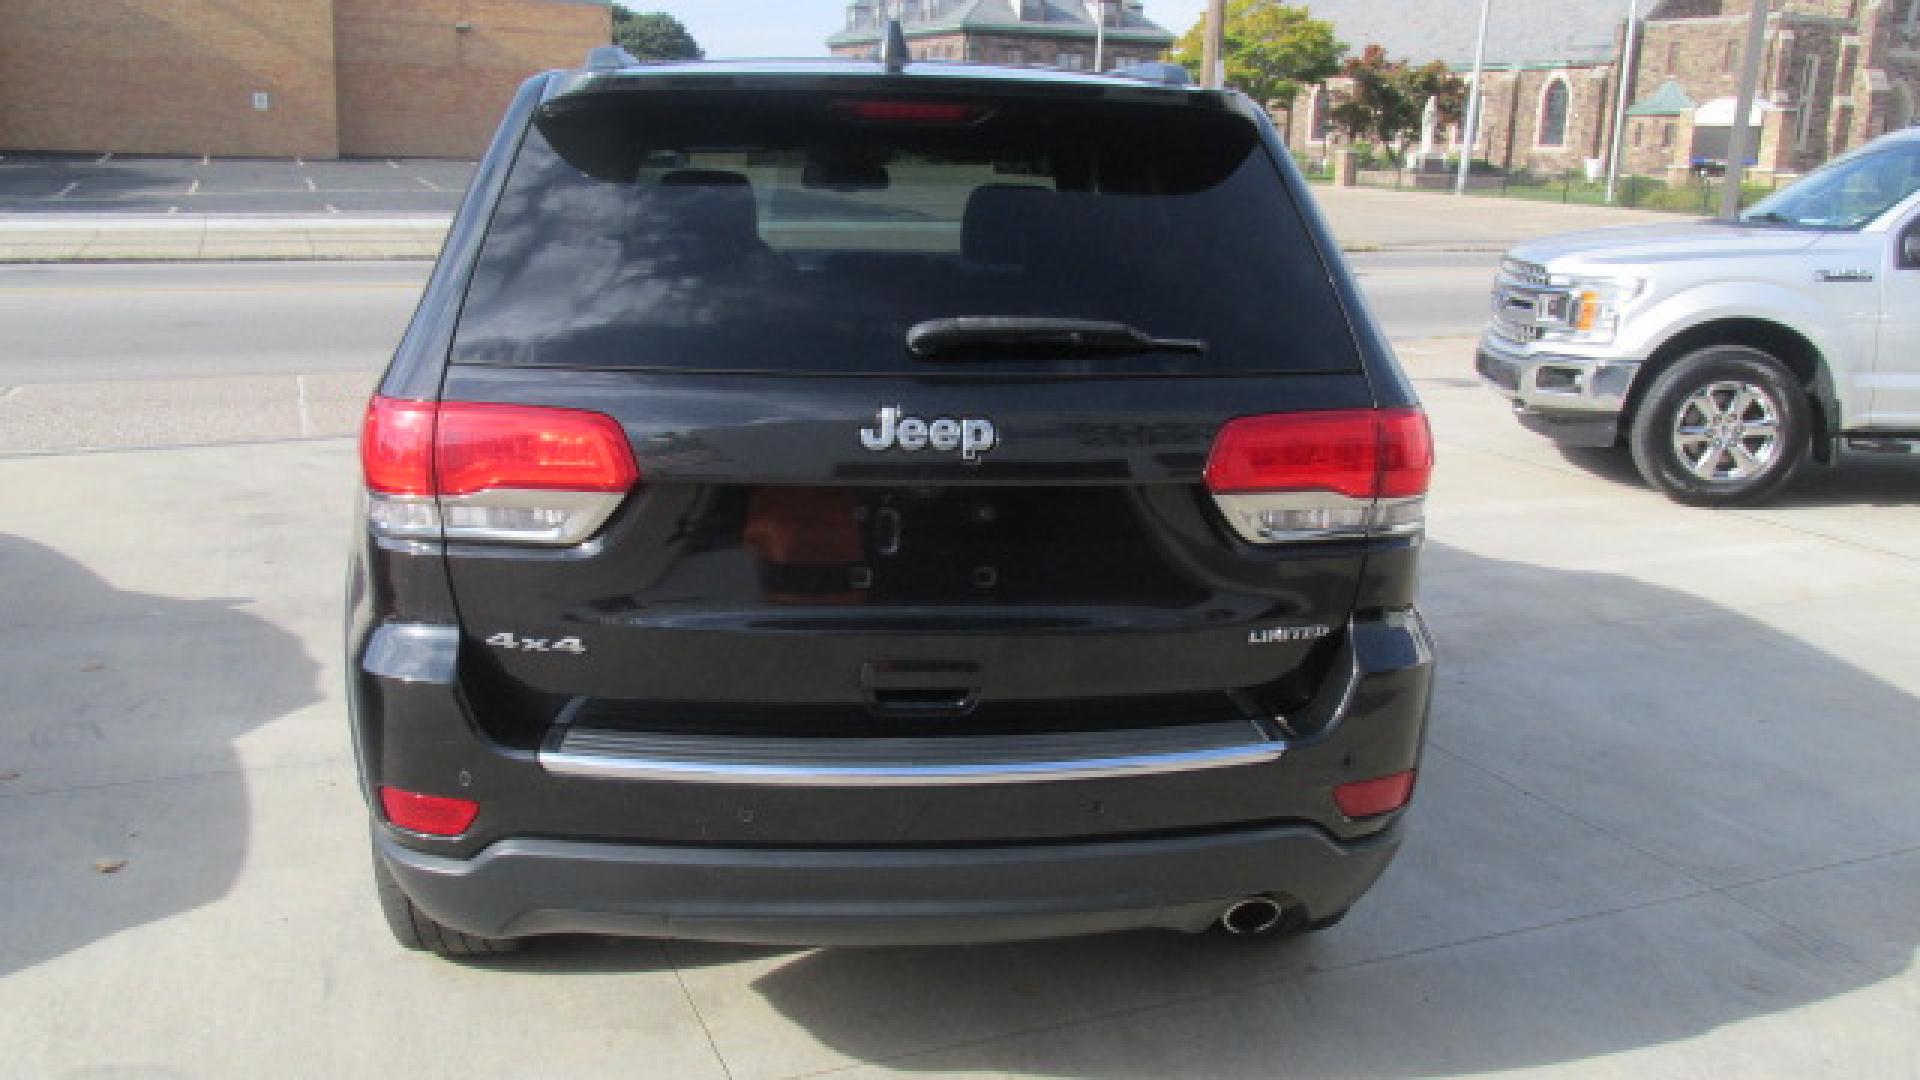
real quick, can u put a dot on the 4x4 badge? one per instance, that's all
(506, 639)
(971, 435)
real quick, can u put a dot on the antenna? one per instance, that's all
(893, 54)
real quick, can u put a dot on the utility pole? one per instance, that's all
(1740, 137)
(1625, 75)
(1471, 136)
(1098, 8)
(1211, 55)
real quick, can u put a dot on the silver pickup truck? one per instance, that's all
(1724, 354)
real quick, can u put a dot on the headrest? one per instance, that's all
(713, 206)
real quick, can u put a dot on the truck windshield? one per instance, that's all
(1848, 193)
(810, 227)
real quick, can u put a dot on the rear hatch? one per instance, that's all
(921, 381)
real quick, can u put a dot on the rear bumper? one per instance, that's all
(1081, 846)
(901, 896)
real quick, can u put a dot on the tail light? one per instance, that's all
(435, 815)
(1314, 475)
(473, 471)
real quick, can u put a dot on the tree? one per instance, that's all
(1271, 49)
(653, 35)
(1385, 98)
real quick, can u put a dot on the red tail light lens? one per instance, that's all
(1308, 475)
(1308, 451)
(481, 447)
(1360, 453)
(1406, 453)
(912, 112)
(396, 447)
(475, 471)
(1371, 798)
(435, 815)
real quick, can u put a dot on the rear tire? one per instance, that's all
(415, 929)
(1724, 426)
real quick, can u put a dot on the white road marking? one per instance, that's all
(331, 209)
(194, 187)
(68, 190)
(104, 158)
(300, 404)
(173, 209)
(311, 186)
(300, 161)
(430, 185)
(206, 159)
(392, 164)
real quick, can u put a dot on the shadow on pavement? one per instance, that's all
(1858, 479)
(122, 801)
(1608, 830)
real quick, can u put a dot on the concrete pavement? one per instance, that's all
(1667, 826)
(1364, 219)
(212, 237)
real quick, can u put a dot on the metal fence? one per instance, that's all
(1700, 195)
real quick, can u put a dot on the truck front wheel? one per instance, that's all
(1723, 426)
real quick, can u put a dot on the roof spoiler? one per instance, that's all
(609, 58)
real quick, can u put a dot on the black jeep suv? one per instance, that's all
(823, 502)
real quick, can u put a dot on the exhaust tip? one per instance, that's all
(1252, 916)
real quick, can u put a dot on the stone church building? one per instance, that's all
(1835, 74)
(1049, 33)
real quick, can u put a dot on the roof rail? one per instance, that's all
(609, 58)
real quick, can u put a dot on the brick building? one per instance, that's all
(277, 78)
(1835, 74)
(1053, 33)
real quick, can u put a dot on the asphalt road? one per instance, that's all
(75, 323)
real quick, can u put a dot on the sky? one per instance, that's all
(751, 28)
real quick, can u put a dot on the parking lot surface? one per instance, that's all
(1667, 825)
(108, 183)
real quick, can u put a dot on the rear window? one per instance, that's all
(810, 228)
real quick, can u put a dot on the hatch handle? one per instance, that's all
(920, 687)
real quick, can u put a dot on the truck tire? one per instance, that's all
(1724, 426)
(415, 929)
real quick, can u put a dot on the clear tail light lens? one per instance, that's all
(1317, 475)
(509, 473)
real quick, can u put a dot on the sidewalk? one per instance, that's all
(1364, 219)
(1374, 219)
(194, 237)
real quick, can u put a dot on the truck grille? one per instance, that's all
(1517, 295)
(1524, 273)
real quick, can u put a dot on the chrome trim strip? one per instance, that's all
(881, 774)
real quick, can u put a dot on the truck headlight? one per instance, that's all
(1586, 308)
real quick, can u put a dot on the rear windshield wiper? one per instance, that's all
(943, 339)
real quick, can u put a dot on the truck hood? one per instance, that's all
(1652, 245)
